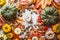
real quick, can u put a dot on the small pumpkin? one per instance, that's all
(17, 31)
(56, 28)
(6, 28)
(58, 36)
(10, 35)
(49, 35)
(2, 2)
(49, 16)
(34, 38)
(3, 37)
(9, 11)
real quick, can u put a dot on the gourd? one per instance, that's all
(9, 11)
(6, 28)
(49, 35)
(56, 28)
(17, 31)
(3, 36)
(2, 2)
(58, 36)
(34, 38)
(10, 35)
(49, 16)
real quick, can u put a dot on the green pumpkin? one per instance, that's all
(9, 11)
(49, 16)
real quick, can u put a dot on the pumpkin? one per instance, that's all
(17, 31)
(9, 12)
(58, 36)
(34, 38)
(9, 35)
(56, 28)
(2, 2)
(49, 16)
(6, 28)
(3, 37)
(49, 35)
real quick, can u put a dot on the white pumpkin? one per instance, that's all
(35, 38)
(49, 35)
(17, 31)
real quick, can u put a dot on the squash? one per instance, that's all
(56, 28)
(49, 35)
(17, 31)
(34, 38)
(9, 35)
(6, 28)
(2, 2)
(9, 12)
(49, 16)
(3, 36)
(58, 36)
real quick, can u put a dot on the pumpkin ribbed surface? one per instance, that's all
(9, 11)
(49, 16)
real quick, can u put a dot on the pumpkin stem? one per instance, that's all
(49, 16)
(8, 11)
